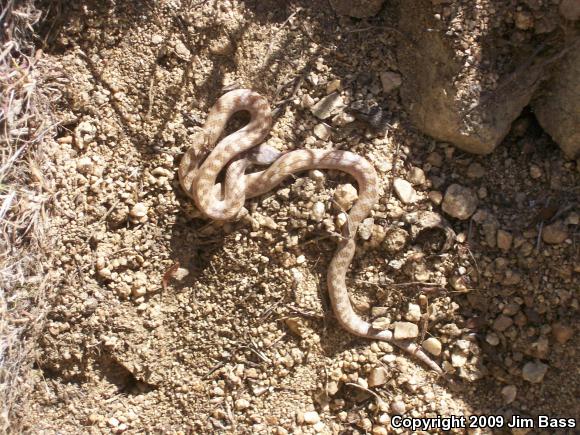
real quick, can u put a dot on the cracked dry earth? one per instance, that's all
(162, 321)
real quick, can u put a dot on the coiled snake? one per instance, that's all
(203, 162)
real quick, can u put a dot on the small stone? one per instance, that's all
(139, 210)
(395, 239)
(405, 330)
(333, 86)
(345, 196)
(404, 191)
(381, 323)
(562, 333)
(113, 422)
(501, 323)
(317, 176)
(524, 20)
(504, 240)
(436, 197)
(318, 211)
(475, 170)
(378, 376)
(413, 313)
(342, 119)
(390, 81)
(341, 220)
(182, 51)
(328, 106)
(311, 417)
(307, 101)
(555, 233)
(365, 229)
(242, 404)
(85, 133)
(416, 176)
(534, 372)
(398, 407)
(157, 39)
(433, 346)
(509, 393)
(535, 172)
(458, 283)
(85, 165)
(322, 131)
(458, 359)
(459, 202)
(379, 430)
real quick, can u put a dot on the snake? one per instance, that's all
(208, 156)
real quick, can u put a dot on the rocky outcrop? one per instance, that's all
(557, 107)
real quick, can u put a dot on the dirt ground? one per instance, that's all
(163, 322)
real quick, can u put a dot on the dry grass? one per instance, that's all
(24, 192)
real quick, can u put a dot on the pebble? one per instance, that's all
(509, 393)
(534, 372)
(502, 322)
(562, 333)
(318, 211)
(404, 191)
(413, 313)
(475, 170)
(395, 239)
(341, 220)
(504, 240)
(379, 430)
(345, 196)
(398, 407)
(85, 165)
(377, 376)
(322, 131)
(182, 51)
(459, 202)
(157, 39)
(138, 210)
(436, 197)
(433, 346)
(317, 176)
(328, 106)
(311, 417)
(458, 283)
(458, 359)
(416, 176)
(84, 135)
(242, 404)
(535, 172)
(390, 81)
(365, 229)
(555, 233)
(333, 86)
(405, 330)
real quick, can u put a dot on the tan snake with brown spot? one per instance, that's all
(203, 162)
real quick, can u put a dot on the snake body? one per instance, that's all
(206, 158)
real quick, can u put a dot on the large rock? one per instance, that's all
(450, 97)
(357, 8)
(558, 106)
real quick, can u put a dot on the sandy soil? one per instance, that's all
(241, 339)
